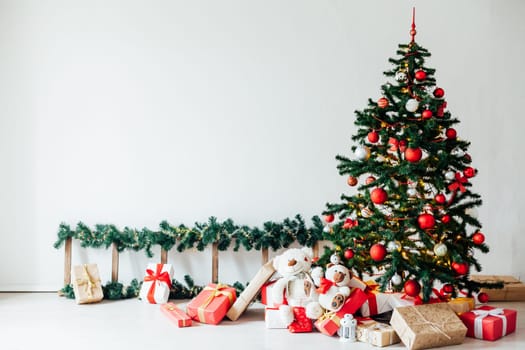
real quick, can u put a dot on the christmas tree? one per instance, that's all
(412, 220)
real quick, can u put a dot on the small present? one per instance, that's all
(428, 326)
(86, 284)
(267, 294)
(157, 283)
(273, 319)
(251, 290)
(375, 333)
(401, 299)
(175, 314)
(489, 323)
(461, 305)
(377, 302)
(329, 323)
(212, 303)
(513, 289)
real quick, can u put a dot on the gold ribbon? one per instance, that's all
(435, 326)
(329, 315)
(88, 281)
(215, 292)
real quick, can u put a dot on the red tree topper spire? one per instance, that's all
(413, 30)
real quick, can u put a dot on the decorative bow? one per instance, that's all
(458, 184)
(481, 314)
(156, 277)
(215, 291)
(324, 286)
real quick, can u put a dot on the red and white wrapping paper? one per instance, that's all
(377, 302)
(157, 284)
(489, 323)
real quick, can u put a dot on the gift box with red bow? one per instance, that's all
(267, 295)
(157, 283)
(329, 323)
(175, 314)
(212, 303)
(489, 323)
(377, 302)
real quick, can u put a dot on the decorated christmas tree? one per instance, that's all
(412, 221)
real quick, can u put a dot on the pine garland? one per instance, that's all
(273, 235)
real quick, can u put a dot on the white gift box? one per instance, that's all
(357, 283)
(400, 300)
(382, 304)
(157, 282)
(273, 319)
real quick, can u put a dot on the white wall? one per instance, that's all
(131, 112)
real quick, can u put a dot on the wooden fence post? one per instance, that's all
(315, 249)
(114, 263)
(67, 261)
(215, 262)
(163, 256)
(264, 253)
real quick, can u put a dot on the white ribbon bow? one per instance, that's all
(481, 314)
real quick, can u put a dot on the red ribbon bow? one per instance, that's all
(325, 285)
(458, 184)
(156, 277)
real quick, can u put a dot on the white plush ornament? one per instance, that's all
(440, 249)
(362, 152)
(396, 280)
(450, 175)
(412, 105)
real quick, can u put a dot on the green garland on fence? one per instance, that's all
(273, 235)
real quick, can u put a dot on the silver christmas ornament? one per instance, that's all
(393, 245)
(450, 175)
(396, 280)
(362, 153)
(412, 105)
(412, 192)
(401, 76)
(440, 249)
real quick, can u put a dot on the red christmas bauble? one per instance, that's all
(382, 102)
(440, 198)
(448, 288)
(478, 238)
(378, 196)
(412, 288)
(469, 172)
(349, 254)
(439, 92)
(451, 133)
(373, 136)
(483, 298)
(420, 75)
(460, 268)
(377, 252)
(369, 180)
(329, 218)
(351, 181)
(426, 114)
(425, 221)
(413, 155)
(445, 219)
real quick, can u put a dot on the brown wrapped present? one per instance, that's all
(375, 333)
(428, 326)
(513, 289)
(248, 294)
(86, 284)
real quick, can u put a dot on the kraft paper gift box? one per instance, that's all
(375, 333)
(212, 303)
(86, 284)
(174, 313)
(251, 290)
(329, 323)
(428, 326)
(461, 305)
(273, 319)
(157, 283)
(489, 323)
(513, 289)
(267, 294)
(377, 302)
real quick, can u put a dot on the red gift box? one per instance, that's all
(212, 304)
(266, 295)
(329, 323)
(489, 323)
(175, 314)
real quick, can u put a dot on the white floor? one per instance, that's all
(46, 321)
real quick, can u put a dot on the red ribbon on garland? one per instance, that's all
(458, 184)
(156, 277)
(324, 285)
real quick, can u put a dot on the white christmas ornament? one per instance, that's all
(396, 280)
(412, 192)
(440, 249)
(334, 259)
(412, 105)
(401, 76)
(450, 175)
(327, 229)
(366, 212)
(393, 245)
(362, 153)
(457, 152)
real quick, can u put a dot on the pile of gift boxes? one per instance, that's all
(419, 326)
